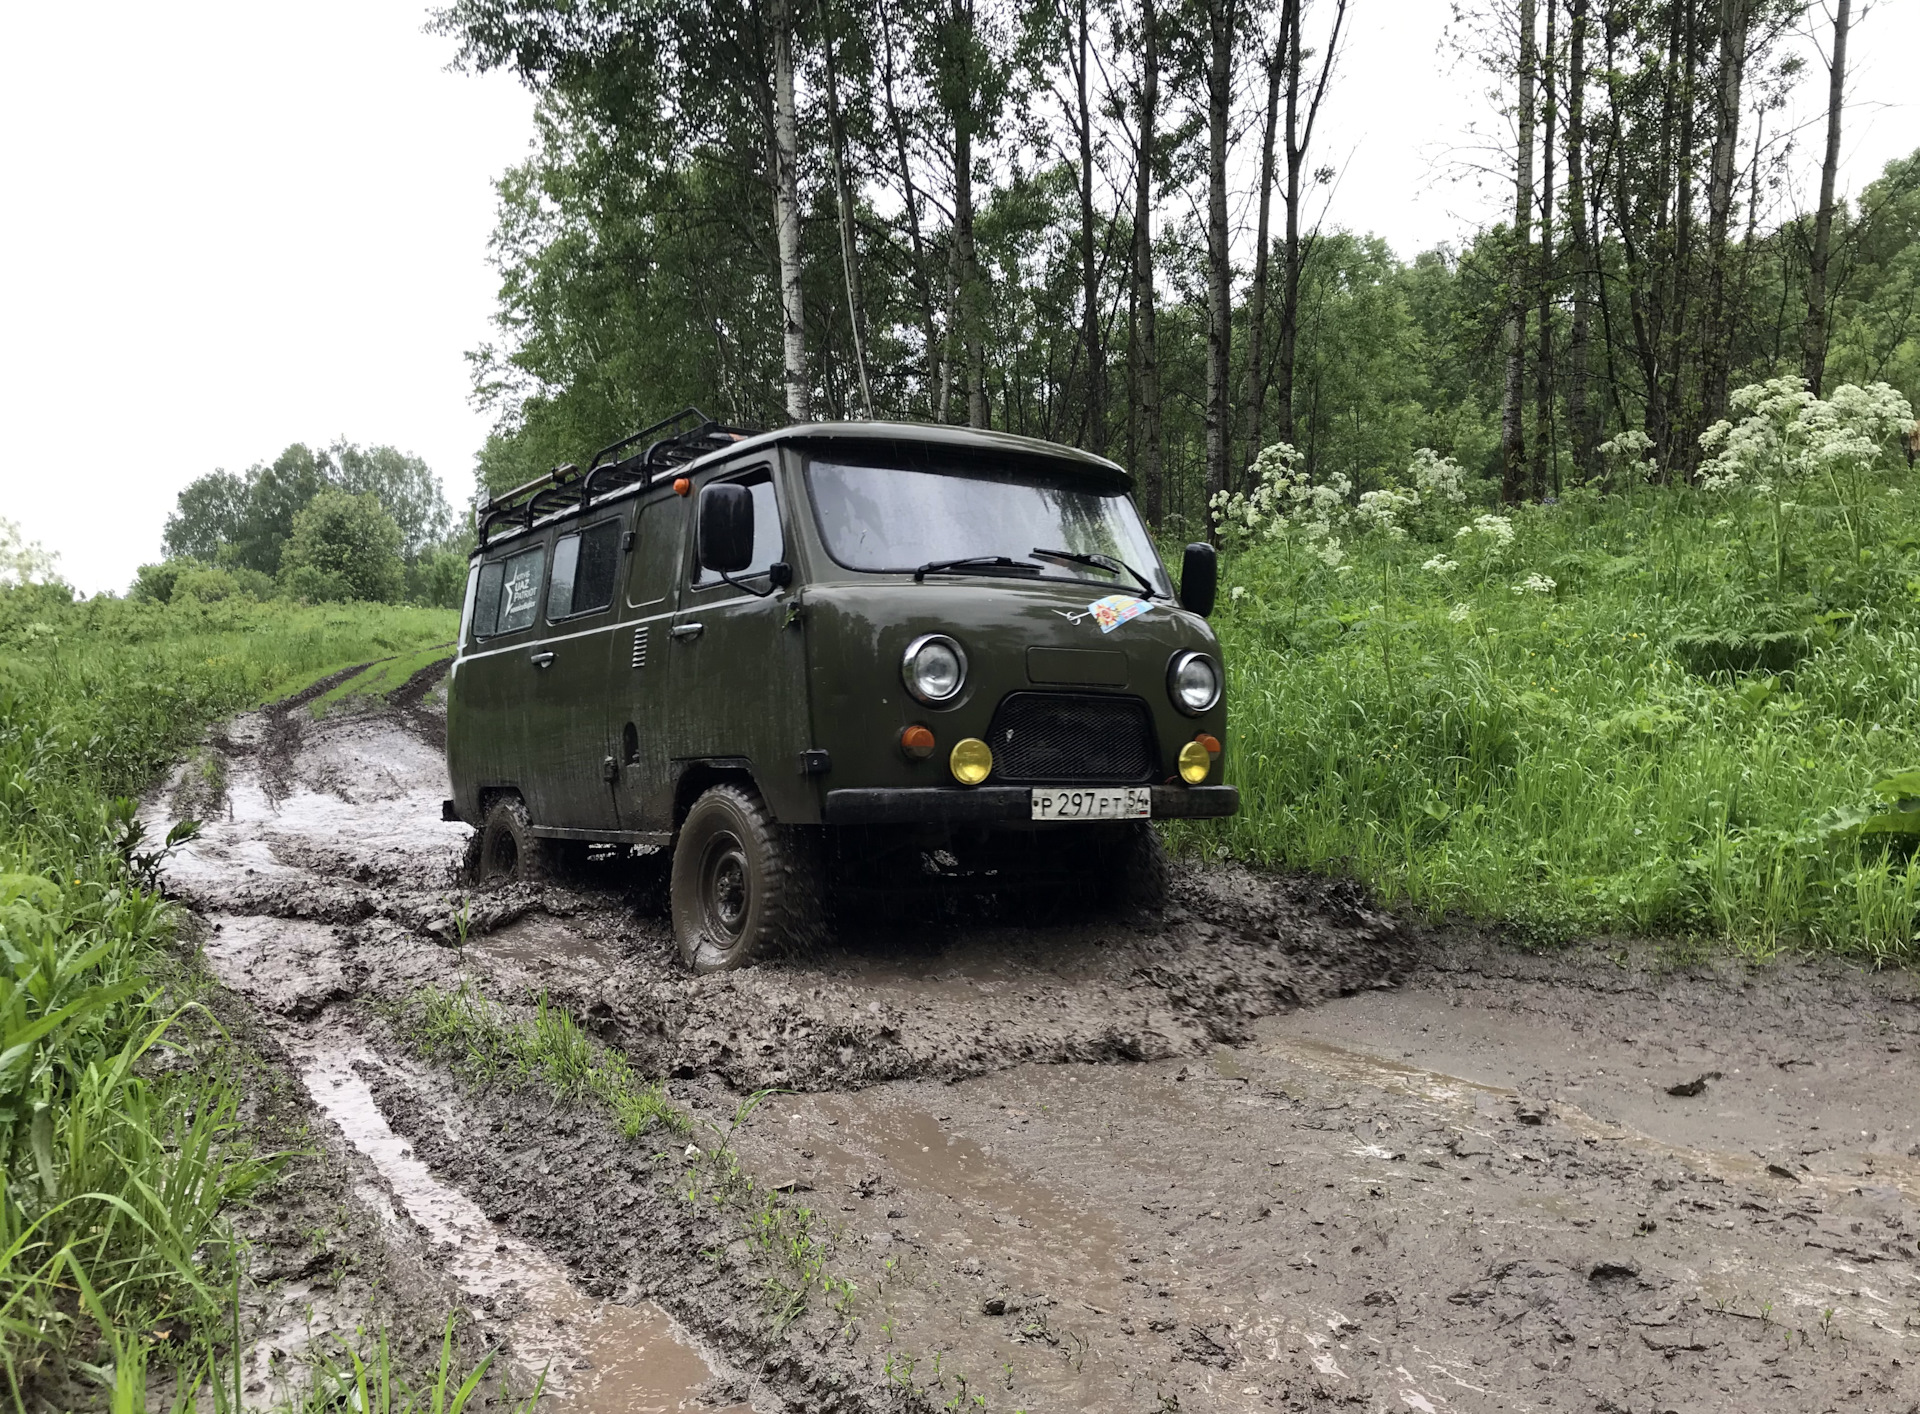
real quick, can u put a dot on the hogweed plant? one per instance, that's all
(1785, 437)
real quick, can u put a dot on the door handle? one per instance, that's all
(542, 660)
(687, 630)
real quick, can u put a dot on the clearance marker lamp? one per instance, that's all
(971, 761)
(917, 742)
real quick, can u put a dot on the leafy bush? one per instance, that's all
(343, 547)
(438, 579)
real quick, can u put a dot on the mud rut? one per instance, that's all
(1268, 1150)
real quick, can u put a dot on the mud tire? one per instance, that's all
(742, 885)
(509, 851)
(1128, 868)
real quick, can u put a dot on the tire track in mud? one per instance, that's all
(1207, 1160)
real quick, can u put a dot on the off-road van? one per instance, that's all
(925, 647)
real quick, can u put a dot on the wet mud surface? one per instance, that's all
(1268, 1149)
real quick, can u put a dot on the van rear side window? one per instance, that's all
(508, 593)
(583, 570)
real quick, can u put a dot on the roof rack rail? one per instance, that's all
(568, 488)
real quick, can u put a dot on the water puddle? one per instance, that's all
(598, 1356)
(1348, 1064)
(540, 946)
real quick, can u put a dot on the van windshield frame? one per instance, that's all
(881, 517)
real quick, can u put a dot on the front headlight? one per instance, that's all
(934, 669)
(1193, 682)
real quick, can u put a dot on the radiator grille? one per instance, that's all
(1066, 738)
(640, 647)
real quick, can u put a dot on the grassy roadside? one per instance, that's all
(119, 1160)
(542, 1046)
(1662, 711)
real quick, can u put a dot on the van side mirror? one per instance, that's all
(1199, 579)
(726, 528)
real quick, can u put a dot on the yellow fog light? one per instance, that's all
(1195, 762)
(971, 761)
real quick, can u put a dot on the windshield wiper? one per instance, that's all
(975, 564)
(1099, 562)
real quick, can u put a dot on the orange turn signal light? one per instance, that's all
(1210, 742)
(682, 485)
(917, 742)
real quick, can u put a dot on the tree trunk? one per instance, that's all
(1299, 139)
(1290, 270)
(1146, 352)
(1546, 467)
(1582, 421)
(922, 285)
(1717, 351)
(1682, 453)
(843, 198)
(1096, 404)
(786, 214)
(1221, 16)
(1813, 334)
(1253, 398)
(1513, 448)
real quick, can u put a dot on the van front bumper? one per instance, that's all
(974, 805)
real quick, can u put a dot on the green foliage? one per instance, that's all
(342, 547)
(245, 523)
(438, 579)
(118, 1119)
(22, 561)
(1623, 750)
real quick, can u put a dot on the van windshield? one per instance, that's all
(889, 519)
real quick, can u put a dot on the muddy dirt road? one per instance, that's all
(1267, 1150)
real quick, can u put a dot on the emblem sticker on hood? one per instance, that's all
(1115, 610)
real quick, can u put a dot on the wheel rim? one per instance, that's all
(726, 891)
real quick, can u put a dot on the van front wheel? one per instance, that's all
(742, 885)
(508, 850)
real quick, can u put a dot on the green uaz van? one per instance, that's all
(762, 651)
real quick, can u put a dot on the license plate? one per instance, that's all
(1126, 803)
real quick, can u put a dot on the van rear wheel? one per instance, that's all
(742, 885)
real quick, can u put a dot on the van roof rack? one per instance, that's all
(668, 443)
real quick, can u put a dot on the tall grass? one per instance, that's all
(119, 1159)
(1665, 741)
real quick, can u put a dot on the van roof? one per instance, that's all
(967, 441)
(560, 494)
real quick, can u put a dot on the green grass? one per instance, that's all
(1668, 742)
(119, 1165)
(382, 677)
(491, 1045)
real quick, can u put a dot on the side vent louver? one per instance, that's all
(640, 648)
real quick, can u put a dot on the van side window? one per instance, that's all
(656, 552)
(767, 543)
(583, 570)
(507, 593)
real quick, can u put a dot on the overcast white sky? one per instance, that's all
(236, 225)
